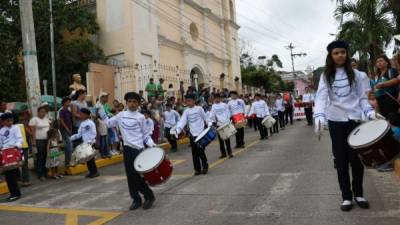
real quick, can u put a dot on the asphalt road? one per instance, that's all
(287, 179)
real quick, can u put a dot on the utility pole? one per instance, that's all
(30, 55)
(53, 63)
(293, 55)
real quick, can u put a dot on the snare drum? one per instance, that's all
(206, 137)
(226, 131)
(10, 158)
(239, 120)
(83, 153)
(268, 121)
(154, 166)
(374, 143)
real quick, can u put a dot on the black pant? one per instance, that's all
(225, 143)
(387, 105)
(309, 115)
(289, 114)
(198, 155)
(91, 165)
(344, 155)
(136, 183)
(171, 140)
(239, 137)
(275, 127)
(12, 183)
(41, 157)
(281, 117)
(263, 130)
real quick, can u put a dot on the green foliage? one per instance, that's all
(369, 28)
(71, 55)
(263, 75)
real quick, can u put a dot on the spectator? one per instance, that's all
(66, 129)
(160, 88)
(40, 125)
(77, 105)
(151, 89)
(101, 126)
(142, 100)
(171, 91)
(181, 90)
(53, 153)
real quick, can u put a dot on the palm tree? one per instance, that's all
(394, 6)
(369, 27)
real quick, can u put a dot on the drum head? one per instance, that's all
(148, 159)
(368, 133)
(204, 132)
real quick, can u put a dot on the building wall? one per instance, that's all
(154, 37)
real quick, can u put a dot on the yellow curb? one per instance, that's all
(3, 188)
(397, 167)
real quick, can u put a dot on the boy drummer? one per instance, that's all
(87, 134)
(260, 108)
(131, 124)
(196, 118)
(237, 106)
(220, 115)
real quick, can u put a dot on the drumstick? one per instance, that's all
(392, 97)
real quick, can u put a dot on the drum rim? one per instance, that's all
(372, 142)
(149, 170)
(200, 137)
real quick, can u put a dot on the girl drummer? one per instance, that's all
(341, 100)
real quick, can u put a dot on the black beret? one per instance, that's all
(132, 95)
(337, 44)
(234, 93)
(6, 116)
(190, 96)
(85, 111)
(145, 111)
(257, 95)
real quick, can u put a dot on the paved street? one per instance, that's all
(287, 179)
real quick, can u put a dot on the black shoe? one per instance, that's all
(261, 138)
(13, 198)
(135, 205)
(346, 207)
(364, 204)
(222, 156)
(230, 156)
(204, 171)
(92, 175)
(148, 203)
(196, 173)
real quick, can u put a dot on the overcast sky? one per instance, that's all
(270, 25)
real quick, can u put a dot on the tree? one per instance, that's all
(369, 27)
(74, 27)
(394, 6)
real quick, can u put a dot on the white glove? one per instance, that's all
(371, 115)
(319, 124)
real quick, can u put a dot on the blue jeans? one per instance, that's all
(67, 146)
(104, 151)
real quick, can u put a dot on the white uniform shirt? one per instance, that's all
(273, 110)
(171, 118)
(195, 117)
(237, 106)
(220, 114)
(131, 124)
(260, 108)
(86, 131)
(308, 98)
(10, 137)
(280, 105)
(149, 126)
(342, 101)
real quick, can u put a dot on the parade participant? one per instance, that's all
(280, 106)
(221, 115)
(196, 118)
(131, 124)
(260, 108)
(10, 136)
(171, 118)
(87, 134)
(341, 100)
(274, 114)
(236, 106)
(308, 101)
